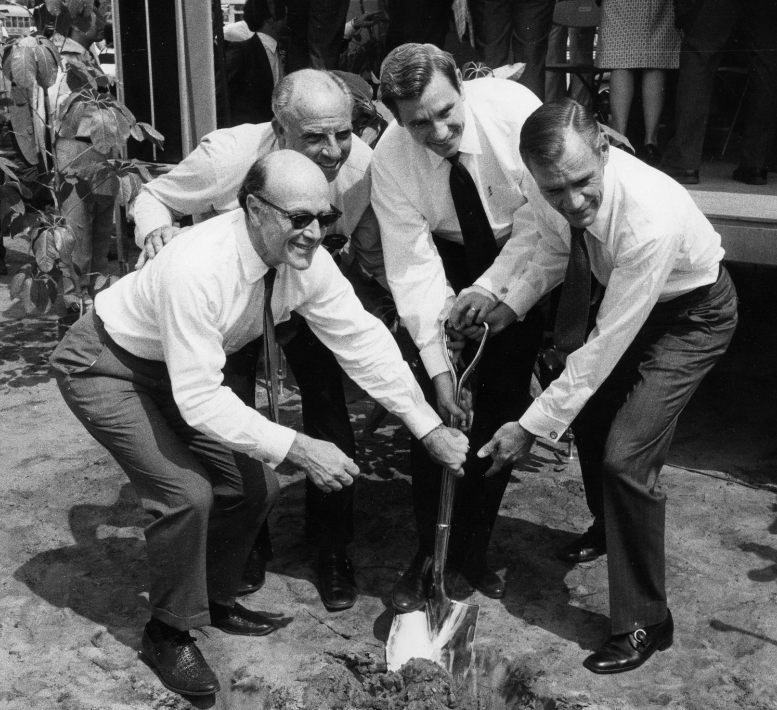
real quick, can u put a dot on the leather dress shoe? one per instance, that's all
(179, 664)
(750, 176)
(415, 585)
(625, 652)
(254, 574)
(240, 621)
(590, 545)
(484, 579)
(682, 175)
(336, 579)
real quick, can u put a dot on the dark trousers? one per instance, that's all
(329, 516)
(623, 435)
(207, 502)
(521, 25)
(315, 33)
(500, 395)
(707, 27)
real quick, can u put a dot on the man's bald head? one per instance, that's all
(279, 187)
(312, 111)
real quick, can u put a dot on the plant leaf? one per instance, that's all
(104, 131)
(151, 134)
(65, 242)
(129, 187)
(47, 64)
(45, 250)
(23, 67)
(39, 296)
(15, 287)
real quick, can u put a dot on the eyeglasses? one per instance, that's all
(300, 220)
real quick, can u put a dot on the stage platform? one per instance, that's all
(744, 215)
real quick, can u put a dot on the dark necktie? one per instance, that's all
(572, 314)
(479, 243)
(270, 348)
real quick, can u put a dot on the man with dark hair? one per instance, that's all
(142, 372)
(448, 189)
(312, 112)
(668, 314)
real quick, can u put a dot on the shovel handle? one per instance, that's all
(448, 488)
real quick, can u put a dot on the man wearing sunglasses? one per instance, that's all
(313, 117)
(142, 372)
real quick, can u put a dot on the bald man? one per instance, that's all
(142, 372)
(313, 117)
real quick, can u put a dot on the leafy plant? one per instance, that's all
(31, 65)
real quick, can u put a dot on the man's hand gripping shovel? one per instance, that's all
(444, 631)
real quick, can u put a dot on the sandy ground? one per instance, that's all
(73, 596)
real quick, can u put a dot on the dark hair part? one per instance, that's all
(254, 182)
(408, 70)
(256, 13)
(544, 133)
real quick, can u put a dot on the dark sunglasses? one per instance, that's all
(300, 220)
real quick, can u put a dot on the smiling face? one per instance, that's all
(318, 126)
(436, 118)
(296, 185)
(574, 184)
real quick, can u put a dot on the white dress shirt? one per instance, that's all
(202, 298)
(207, 181)
(648, 243)
(412, 198)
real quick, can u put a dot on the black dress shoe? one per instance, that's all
(590, 545)
(484, 579)
(625, 652)
(179, 664)
(336, 579)
(254, 574)
(415, 585)
(240, 621)
(682, 175)
(750, 176)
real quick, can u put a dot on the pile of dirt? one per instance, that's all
(360, 683)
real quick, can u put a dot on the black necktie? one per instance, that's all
(479, 243)
(270, 348)
(572, 314)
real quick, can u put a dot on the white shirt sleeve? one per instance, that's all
(642, 267)
(413, 267)
(190, 188)
(365, 349)
(187, 315)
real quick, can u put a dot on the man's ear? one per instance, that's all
(280, 134)
(604, 147)
(459, 81)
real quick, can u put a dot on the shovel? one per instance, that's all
(444, 632)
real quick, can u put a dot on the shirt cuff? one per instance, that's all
(434, 359)
(540, 424)
(422, 420)
(276, 442)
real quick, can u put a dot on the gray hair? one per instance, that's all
(254, 182)
(408, 70)
(283, 93)
(544, 133)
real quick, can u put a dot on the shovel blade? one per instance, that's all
(446, 637)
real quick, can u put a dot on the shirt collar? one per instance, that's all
(600, 227)
(270, 42)
(470, 142)
(252, 265)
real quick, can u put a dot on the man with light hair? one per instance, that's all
(668, 314)
(142, 372)
(312, 117)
